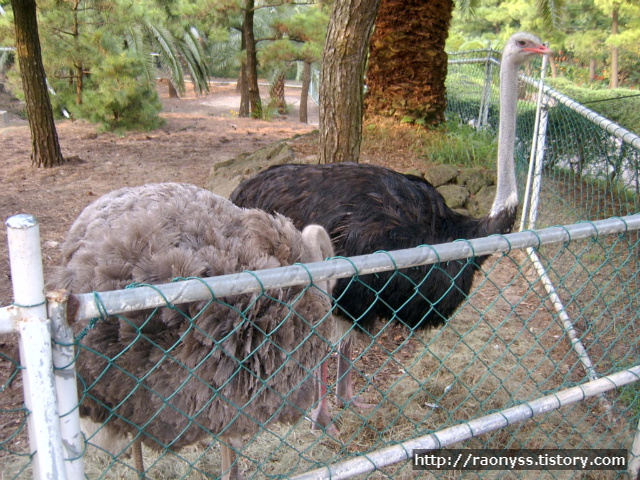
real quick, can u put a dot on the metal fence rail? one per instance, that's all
(141, 298)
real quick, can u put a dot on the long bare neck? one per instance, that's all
(507, 193)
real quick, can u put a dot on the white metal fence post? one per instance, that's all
(64, 357)
(530, 215)
(536, 158)
(23, 235)
(483, 114)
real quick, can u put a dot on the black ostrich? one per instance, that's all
(366, 208)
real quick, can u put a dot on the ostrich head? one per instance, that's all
(519, 48)
(318, 247)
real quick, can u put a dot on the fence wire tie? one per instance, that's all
(308, 273)
(356, 273)
(432, 248)
(157, 290)
(567, 243)
(199, 279)
(626, 227)
(209, 302)
(395, 266)
(506, 239)
(29, 306)
(595, 229)
(255, 275)
(92, 322)
(470, 245)
(534, 233)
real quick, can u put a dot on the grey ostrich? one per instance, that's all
(174, 377)
(366, 208)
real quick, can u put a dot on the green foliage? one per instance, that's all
(619, 105)
(120, 97)
(461, 144)
(298, 36)
(580, 32)
(630, 396)
(85, 41)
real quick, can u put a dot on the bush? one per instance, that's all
(118, 95)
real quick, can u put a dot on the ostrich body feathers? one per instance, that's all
(180, 374)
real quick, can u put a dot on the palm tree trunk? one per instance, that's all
(276, 94)
(407, 62)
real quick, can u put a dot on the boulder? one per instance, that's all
(454, 195)
(440, 174)
(225, 176)
(474, 179)
(484, 199)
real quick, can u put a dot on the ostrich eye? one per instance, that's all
(521, 43)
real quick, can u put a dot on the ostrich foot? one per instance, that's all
(320, 416)
(228, 447)
(345, 396)
(321, 420)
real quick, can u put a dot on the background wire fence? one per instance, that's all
(589, 173)
(504, 346)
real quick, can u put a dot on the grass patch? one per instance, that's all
(452, 144)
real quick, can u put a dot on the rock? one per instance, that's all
(474, 179)
(484, 198)
(491, 176)
(440, 174)
(454, 195)
(225, 176)
(471, 205)
(462, 211)
(415, 172)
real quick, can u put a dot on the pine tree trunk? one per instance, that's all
(252, 60)
(592, 69)
(78, 66)
(342, 79)
(245, 107)
(79, 83)
(304, 92)
(44, 137)
(407, 61)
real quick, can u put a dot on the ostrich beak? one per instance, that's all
(541, 49)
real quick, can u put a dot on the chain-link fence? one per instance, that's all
(506, 346)
(515, 367)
